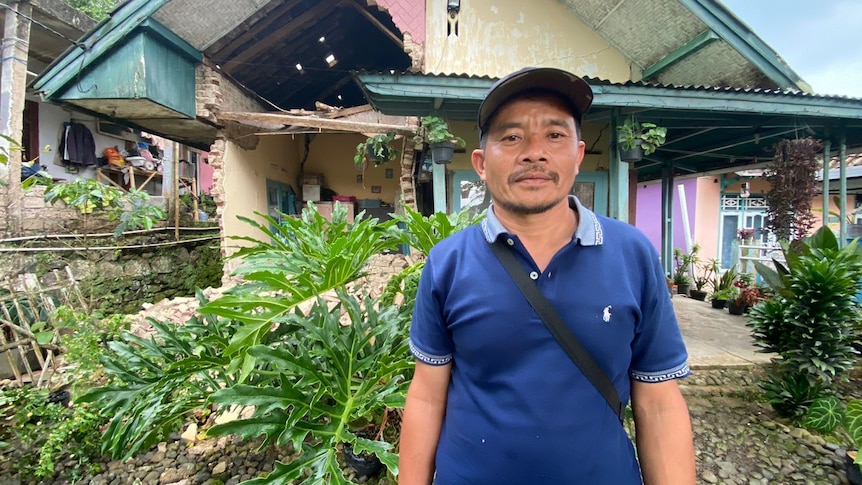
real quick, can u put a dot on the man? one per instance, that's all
(495, 399)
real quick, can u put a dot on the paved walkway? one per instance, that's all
(715, 338)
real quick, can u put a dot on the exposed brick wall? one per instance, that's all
(408, 161)
(216, 161)
(214, 92)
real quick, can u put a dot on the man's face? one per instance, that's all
(532, 155)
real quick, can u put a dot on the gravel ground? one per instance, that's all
(738, 440)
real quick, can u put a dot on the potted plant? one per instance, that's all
(745, 296)
(722, 287)
(377, 149)
(826, 415)
(702, 278)
(719, 298)
(684, 262)
(637, 139)
(442, 141)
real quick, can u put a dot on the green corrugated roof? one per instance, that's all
(458, 97)
(126, 18)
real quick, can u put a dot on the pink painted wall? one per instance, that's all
(408, 15)
(205, 175)
(648, 213)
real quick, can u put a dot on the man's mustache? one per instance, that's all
(533, 173)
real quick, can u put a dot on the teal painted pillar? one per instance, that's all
(842, 163)
(618, 208)
(439, 175)
(827, 157)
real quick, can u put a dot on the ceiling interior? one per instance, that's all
(264, 52)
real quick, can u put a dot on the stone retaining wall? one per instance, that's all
(122, 280)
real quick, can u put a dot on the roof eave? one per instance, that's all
(434, 90)
(126, 18)
(747, 43)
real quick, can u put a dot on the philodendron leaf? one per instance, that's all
(317, 460)
(265, 399)
(825, 414)
(271, 426)
(853, 421)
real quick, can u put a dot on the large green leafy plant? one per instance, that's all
(319, 378)
(158, 380)
(328, 380)
(811, 322)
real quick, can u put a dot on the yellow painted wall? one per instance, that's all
(817, 206)
(331, 154)
(276, 158)
(496, 37)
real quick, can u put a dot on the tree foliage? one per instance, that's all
(792, 178)
(97, 9)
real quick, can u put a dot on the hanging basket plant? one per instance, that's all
(792, 178)
(377, 149)
(443, 143)
(637, 140)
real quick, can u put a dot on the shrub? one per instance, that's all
(811, 321)
(46, 428)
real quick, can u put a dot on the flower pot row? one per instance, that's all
(733, 307)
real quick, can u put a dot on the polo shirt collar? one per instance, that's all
(589, 231)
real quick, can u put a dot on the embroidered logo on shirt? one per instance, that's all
(606, 315)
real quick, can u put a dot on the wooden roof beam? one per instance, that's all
(257, 119)
(681, 53)
(255, 29)
(371, 18)
(297, 23)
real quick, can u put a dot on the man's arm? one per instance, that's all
(423, 418)
(663, 433)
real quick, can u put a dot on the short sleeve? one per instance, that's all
(658, 351)
(430, 340)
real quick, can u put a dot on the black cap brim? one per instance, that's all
(570, 87)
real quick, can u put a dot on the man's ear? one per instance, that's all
(582, 150)
(478, 159)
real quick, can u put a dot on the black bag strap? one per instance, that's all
(555, 324)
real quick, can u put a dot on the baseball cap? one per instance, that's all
(570, 87)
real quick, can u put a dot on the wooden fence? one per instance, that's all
(29, 339)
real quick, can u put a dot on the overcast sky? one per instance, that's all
(819, 39)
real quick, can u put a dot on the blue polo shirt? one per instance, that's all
(519, 411)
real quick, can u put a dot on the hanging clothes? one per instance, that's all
(77, 146)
